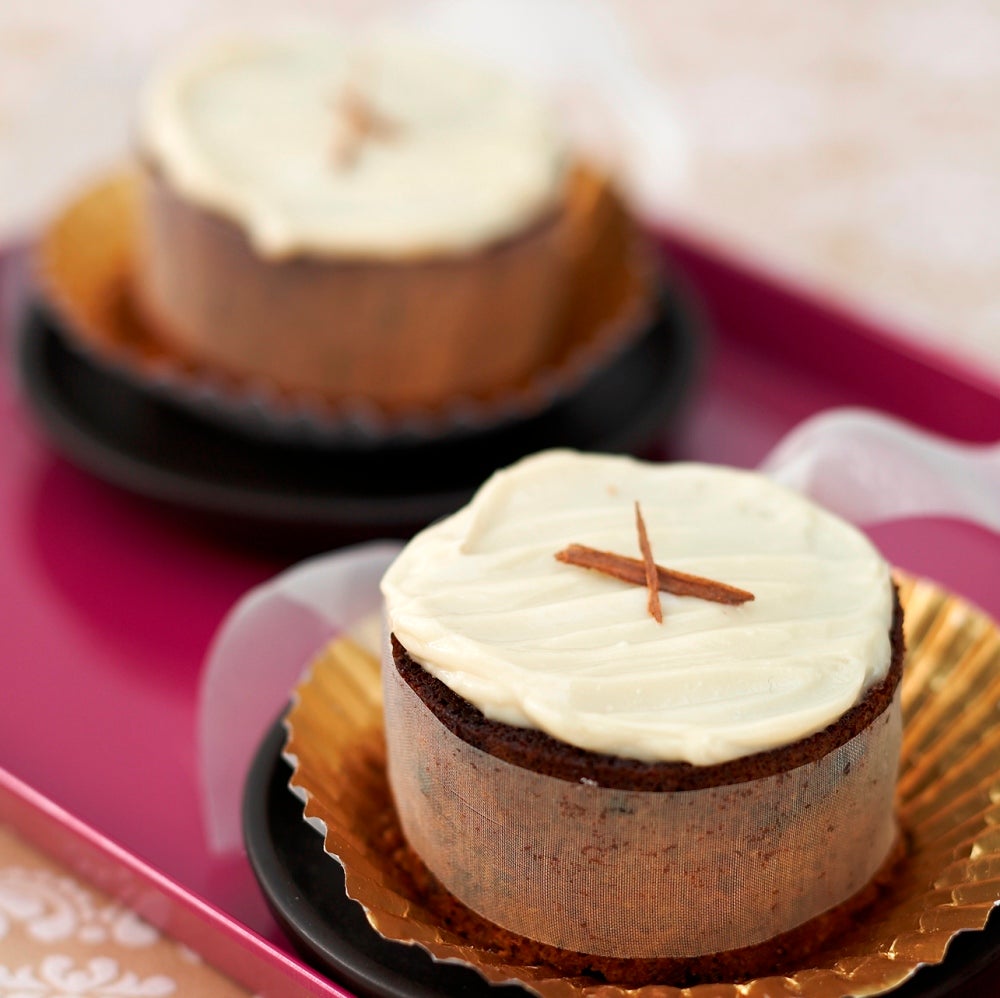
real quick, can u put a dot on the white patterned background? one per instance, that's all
(59, 938)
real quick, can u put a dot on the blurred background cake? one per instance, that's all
(362, 219)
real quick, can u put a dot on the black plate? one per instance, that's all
(305, 891)
(140, 441)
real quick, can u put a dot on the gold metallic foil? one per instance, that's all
(84, 261)
(948, 800)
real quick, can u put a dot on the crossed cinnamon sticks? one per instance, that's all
(654, 577)
(359, 121)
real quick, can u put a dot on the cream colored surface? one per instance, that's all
(481, 602)
(263, 130)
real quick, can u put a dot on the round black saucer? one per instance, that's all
(138, 440)
(304, 888)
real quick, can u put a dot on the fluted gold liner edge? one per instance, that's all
(83, 266)
(948, 800)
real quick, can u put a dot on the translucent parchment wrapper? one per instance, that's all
(946, 798)
(542, 856)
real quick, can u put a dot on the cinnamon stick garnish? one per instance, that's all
(359, 122)
(633, 570)
(649, 568)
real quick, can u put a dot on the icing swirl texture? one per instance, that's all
(446, 156)
(480, 601)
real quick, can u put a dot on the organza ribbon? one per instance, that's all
(259, 652)
(868, 468)
(865, 466)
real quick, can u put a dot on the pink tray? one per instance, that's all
(107, 605)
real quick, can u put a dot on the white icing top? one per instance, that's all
(481, 602)
(362, 148)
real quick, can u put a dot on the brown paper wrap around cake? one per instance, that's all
(762, 857)
(339, 364)
(947, 796)
(402, 333)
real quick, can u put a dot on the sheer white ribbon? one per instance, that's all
(259, 652)
(869, 468)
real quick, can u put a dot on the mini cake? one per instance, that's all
(643, 720)
(359, 220)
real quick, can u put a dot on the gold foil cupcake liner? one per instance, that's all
(948, 802)
(84, 265)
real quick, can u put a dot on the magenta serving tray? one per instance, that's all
(108, 602)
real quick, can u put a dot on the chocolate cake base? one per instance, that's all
(539, 753)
